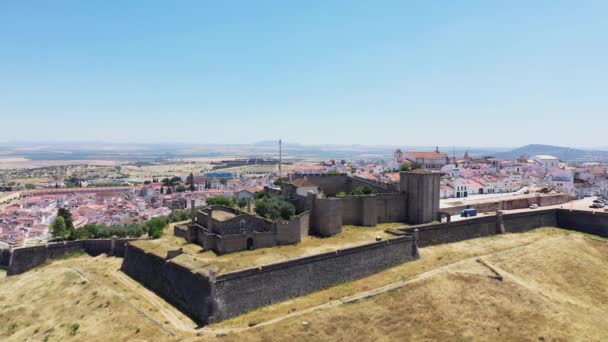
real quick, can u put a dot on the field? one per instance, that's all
(552, 286)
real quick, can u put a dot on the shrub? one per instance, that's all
(220, 200)
(274, 208)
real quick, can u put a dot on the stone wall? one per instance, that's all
(188, 291)
(182, 232)
(595, 223)
(329, 184)
(391, 207)
(435, 234)
(326, 216)
(294, 230)
(5, 257)
(513, 203)
(23, 259)
(332, 184)
(369, 210)
(239, 292)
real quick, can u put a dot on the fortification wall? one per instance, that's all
(391, 207)
(352, 210)
(377, 187)
(513, 203)
(595, 223)
(97, 247)
(436, 234)
(294, 230)
(5, 257)
(329, 184)
(188, 291)
(23, 259)
(239, 292)
(326, 216)
(182, 232)
(526, 221)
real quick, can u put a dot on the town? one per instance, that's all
(27, 212)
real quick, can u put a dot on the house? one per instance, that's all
(249, 192)
(464, 187)
(446, 191)
(546, 162)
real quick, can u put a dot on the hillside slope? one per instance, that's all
(553, 287)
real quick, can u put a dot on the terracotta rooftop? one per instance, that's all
(427, 155)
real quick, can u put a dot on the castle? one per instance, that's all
(320, 212)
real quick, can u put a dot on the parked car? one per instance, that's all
(534, 206)
(597, 205)
(468, 212)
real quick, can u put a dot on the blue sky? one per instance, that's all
(464, 73)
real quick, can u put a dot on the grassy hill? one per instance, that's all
(553, 287)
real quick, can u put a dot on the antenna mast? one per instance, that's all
(280, 158)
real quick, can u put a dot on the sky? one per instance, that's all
(463, 73)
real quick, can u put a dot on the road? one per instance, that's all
(579, 204)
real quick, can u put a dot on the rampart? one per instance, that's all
(332, 184)
(214, 298)
(243, 291)
(582, 221)
(188, 291)
(505, 203)
(23, 259)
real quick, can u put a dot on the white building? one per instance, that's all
(547, 162)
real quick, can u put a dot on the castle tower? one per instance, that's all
(422, 192)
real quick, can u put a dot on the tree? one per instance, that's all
(241, 202)
(162, 190)
(156, 226)
(333, 172)
(30, 186)
(59, 230)
(69, 222)
(416, 166)
(274, 208)
(362, 190)
(191, 187)
(220, 200)
(181, 188)
(279, 181)
(404, 167)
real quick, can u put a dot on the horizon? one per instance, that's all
(382, 74)
(287, 144)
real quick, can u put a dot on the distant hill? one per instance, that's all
(563, 153)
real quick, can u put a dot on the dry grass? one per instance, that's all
(554, 288)
(45, 303)
(221, 215)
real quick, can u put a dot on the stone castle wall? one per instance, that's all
(508, 204)
(243, 291)
(23, 259)
(212, 299)
(189, 291)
